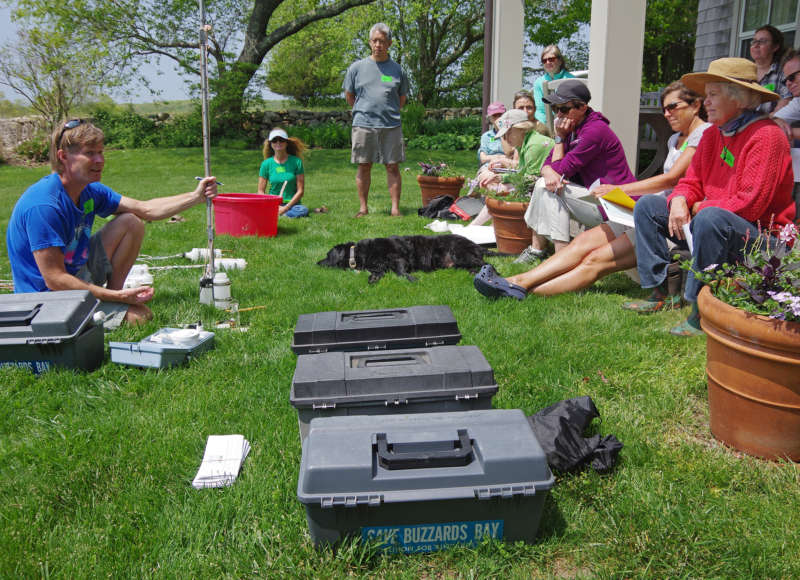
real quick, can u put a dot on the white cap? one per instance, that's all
(277, 133)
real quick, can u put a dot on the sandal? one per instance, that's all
(687, 328)
(360, 214)
(321, 209)
(492, 285)
(655, 303)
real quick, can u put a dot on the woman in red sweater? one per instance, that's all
(738, 184)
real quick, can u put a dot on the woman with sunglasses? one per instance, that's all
(553, 64)
(766, 50)
(609, 247)
(282, 168)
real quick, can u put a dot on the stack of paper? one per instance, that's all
(618, 207)
(222, 461)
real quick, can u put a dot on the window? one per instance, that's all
(782, 14)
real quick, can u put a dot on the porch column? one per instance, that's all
(508, 32)
(616, 44)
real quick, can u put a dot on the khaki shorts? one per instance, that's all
(373, 145)
(97, 270)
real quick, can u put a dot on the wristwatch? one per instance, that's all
(557, 139)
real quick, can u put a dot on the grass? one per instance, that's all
(96, 467)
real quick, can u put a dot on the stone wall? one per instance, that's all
(15, 131)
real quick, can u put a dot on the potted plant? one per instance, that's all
(750, 312)
(438, 178)
(507, 209)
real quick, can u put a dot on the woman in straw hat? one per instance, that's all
(739, 182)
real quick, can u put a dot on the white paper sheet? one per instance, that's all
(222, 461)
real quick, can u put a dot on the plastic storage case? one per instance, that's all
(442, 378)
(160, 351)
(39, 330)
(415, 326)
(418, 483)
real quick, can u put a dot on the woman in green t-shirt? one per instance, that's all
(282, 168)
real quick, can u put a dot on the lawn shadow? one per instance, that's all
(552, 523)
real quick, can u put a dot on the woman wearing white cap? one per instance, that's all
(282, 168)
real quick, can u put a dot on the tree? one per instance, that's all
(55, 72)
(669, 37)
(434, 40)
(559, 22)
(138, 29)
(311, 63)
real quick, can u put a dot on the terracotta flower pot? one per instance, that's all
(435, 186)
(753, 369)
(510, 230)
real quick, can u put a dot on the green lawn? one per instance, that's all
(95, 469)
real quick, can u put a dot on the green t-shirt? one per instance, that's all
(278, 173)
(533, 152)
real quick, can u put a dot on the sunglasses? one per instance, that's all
(550, 59)
(791, 78)
(278, 140)
(564, 109)
(71, 124)
(671, 107)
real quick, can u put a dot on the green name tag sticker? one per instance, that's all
(727, 156)
(770, 86)
(685, 144)
(280, 169)
(386, 78)
(88, 206)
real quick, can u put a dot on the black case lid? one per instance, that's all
(368, 329)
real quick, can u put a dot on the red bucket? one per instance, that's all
(246, 214)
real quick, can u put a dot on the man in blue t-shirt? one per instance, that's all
(48, 238)
(376, 88)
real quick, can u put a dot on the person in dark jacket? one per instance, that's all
(586, 150)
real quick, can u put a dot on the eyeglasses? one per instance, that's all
(71, 124)
(671, 107)
(550, 59)
(277, 140)
(791, 78)
(759, 41)
(564, 109)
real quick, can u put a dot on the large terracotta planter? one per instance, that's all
(510, 230)
(753, 369)
(435, 186)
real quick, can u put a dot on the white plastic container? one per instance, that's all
(199, 254)
(222, 291)
(139, 275)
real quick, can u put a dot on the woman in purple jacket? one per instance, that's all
(586, 149)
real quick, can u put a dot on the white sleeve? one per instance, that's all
(790, 112)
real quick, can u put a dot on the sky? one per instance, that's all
(162, 74)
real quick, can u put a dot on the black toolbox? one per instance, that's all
(391, 328)
(422, 380)
(39, 330)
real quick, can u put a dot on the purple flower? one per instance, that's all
(710, 268)
(788, 234)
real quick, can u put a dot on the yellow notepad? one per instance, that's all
(619, 197)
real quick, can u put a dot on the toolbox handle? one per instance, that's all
(19, 317)
(370, 316)
(452, 453)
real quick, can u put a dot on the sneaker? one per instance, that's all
(529, 255)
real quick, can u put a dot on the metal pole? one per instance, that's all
(208, 276)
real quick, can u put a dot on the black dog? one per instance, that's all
(404, 254)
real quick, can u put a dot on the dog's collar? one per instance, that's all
(352, 261)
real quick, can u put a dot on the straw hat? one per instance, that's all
(738, 71)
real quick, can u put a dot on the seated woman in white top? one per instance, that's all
(609, 247)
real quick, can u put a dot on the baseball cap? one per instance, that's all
(512, 118)
(496, 108)
(571, 90)
(277, 133)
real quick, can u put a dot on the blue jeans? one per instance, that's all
(296, 211)
(718, 236)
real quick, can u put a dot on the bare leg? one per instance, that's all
(393, 180)
(539, 242)
(363, 179)
(559, 245)
(615, 256)
(122, 237)
(482, 217)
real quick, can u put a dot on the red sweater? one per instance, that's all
(758, 185)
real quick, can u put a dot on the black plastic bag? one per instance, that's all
(437, 204)
(559, 429)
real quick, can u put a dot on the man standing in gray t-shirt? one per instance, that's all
(376, 88)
